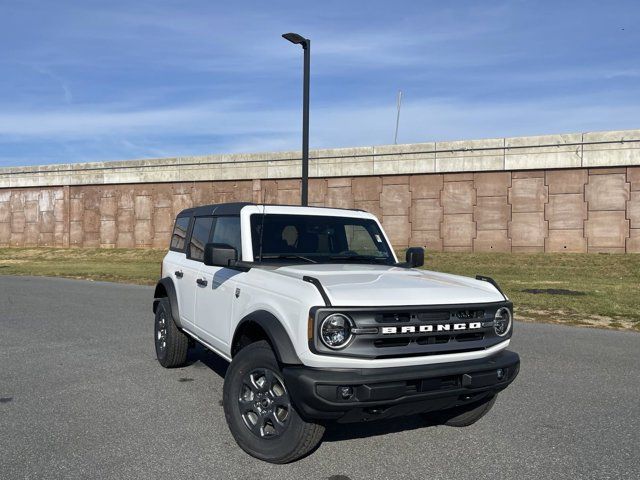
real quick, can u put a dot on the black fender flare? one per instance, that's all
(276, 333)
(166, 285)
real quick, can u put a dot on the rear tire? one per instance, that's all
(171, 343)
(463, 416)
(259, 411)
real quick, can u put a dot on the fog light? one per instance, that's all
(345, 392)
(502, 321)
(500, 374)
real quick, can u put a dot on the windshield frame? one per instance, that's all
(321, 259)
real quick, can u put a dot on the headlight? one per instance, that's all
(502, 321)
(335, 331)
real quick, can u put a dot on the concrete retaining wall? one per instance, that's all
(561, 193)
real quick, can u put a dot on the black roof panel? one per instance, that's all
(219, 209)
(234, 209)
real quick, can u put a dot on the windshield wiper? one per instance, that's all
(289, 256)
(358, 258)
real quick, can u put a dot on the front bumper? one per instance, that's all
(378, 393)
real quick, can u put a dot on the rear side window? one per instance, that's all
(227, 230)
(199, 237)
(179, 237)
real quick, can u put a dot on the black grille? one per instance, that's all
(430, 316)
(469, 314)
(391, 332)
(391, 342)
(393, 317)
(433, 339)
(427, 340)
(469, 337)
(435, 316)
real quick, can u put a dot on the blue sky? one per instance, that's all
(95, 81)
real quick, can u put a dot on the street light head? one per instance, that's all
(295, 38)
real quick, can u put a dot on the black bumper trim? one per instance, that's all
(388, 392)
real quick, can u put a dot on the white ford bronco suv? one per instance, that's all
(322, 323)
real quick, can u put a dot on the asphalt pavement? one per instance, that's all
(82, 396)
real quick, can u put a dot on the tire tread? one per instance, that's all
(177, 341)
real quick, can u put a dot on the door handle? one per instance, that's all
(178, 273)
(202, 282)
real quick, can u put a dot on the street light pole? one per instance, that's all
(306, 46)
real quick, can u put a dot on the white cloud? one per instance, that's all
(208, 77)
(248, 127)
(220, 118)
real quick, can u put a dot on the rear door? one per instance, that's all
(172, 266)
(214, 302)
(191, 265)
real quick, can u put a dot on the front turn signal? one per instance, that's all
(310, 328)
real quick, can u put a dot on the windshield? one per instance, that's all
(318, 239)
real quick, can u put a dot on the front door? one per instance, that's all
(214, 302)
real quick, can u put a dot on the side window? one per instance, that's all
(199, 237)
(179, 237)
(227, 230)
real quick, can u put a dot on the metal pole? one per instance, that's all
(305, 124)
(305, 43)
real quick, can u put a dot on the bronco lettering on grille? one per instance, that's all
(443, 327)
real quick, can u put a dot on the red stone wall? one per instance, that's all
(34, 217)
(578, 210)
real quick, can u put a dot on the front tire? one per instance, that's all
(171, 343)
(259, 410)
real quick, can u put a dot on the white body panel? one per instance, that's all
(380, 285)
(173, 264)
(214, 306)
(218, 310)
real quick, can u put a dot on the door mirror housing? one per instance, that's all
(414, 257)
(219, 255)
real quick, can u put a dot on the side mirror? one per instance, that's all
(414, 257)
(219, 254)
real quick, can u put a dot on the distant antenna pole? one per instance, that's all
(395, 137)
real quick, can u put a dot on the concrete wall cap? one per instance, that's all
(569, 150)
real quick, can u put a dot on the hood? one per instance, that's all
(380, 285)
